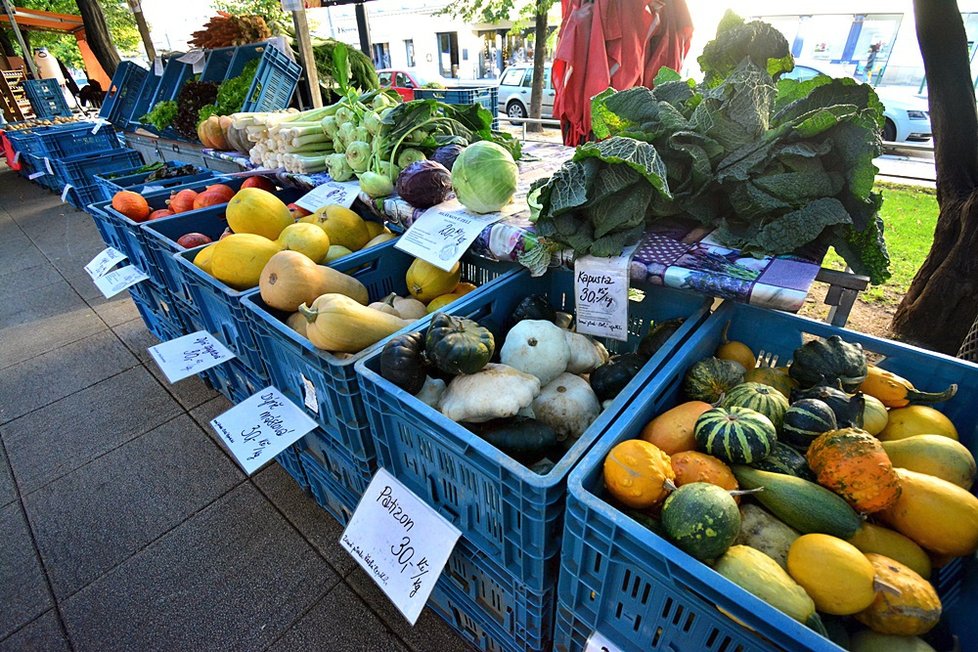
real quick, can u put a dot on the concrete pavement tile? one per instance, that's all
(429, 633)
(137, 339)
(317, 526)
(27, 305)
(144, 488)
(24, 341)
(32, 384)
(86, 424)
(204, 413)
(8, 490)
(36, 276)
(189, 392)
(18, 254)
(42, 635)
(232, 578)
(340, 621)
(115, 311)
(23, 590)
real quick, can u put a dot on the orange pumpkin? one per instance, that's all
(183, 201)
(160, 213)
(211, 134)
(259, 182)
(132, 205)
(853, 464)
(226, 191)
(693, 466)
(209, 198)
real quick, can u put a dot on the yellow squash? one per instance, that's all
(426, 282)
(203, 257)
(939, 516)
(239, 259)
(344, 227)
(307, 239)
(876, 538)
(833, 572)
(896, 392)
(253, 210)
(339, 324)
(917, 420)
(907, 605)
(934, 455)
(757, 573)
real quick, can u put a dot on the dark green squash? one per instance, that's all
(457, 345)
(657, 336)
(805, 420)
(402, 362)
(702, 519)
(825, 362)
(785, 459)
(848, 408)
(611, 377)
(519, 437)
(737, 435)
(709, 379)
(535, 306)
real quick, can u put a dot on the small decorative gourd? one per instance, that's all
(457, 345)
(737, 436)
(638, 474)
(909, 606)
(756, 396)
(852, 463)
(709, 379)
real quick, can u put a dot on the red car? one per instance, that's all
(404, 81)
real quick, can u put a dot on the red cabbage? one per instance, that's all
(424, 183)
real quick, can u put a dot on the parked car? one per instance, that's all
(514, 92)
(405, 80)
(906, 114)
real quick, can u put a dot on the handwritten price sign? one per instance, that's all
(188, 355)
(115, 282)
(443, 233)
(333, 192)
(601, 291)
(261, 427)
(104, 262)
(400, 541)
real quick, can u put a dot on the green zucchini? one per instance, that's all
(520, 437)
(803, 505)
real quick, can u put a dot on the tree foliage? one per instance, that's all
(64, 47)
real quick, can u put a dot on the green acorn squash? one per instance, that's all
(823, 362)
(702, 519)
(709, 379)
(402, 362)
(457, 345)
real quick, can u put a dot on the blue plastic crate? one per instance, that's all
(105, 229)
(25, 142)
(62, 141)
(486, 96)
(130, 232)
(225, 63)
(289, 460)
(46, 98)
(148, 303)
(80, 169)
(175, 73)
(639, 591)
(123, 93)
(136, 181)
(144, 101)
(274, 83)
(505, 509)
(81, 196)
(293, 360)
(39, 164)
(338, 501)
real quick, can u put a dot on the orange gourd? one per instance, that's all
(183, 201)
(226, 191)
(853, 464)
(906, 605)
(638, 474)
(159, 213)
(693, 466)
(209, 198)
(132, 205)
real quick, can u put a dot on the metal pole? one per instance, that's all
(308, 59)
(363, 29)
(20, 39)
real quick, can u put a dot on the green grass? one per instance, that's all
(909, 215)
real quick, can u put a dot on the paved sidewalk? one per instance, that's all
(124, 525)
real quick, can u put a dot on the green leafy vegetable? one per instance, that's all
(231, 94)
(161, 116)
(774, 166)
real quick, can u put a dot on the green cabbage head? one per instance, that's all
(484, 177)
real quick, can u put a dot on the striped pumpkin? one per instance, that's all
(757, 396)
(736, 435)
(805, 420)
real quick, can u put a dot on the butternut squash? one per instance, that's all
(339, 324)
(897, 392)
(298, 323)
(290, 279)
(934, 455)
(912, 609)
(939, 516)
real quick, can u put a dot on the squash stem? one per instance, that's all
(883, 587)
(916, 396)
(308, 313)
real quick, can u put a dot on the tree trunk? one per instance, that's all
(539, 56)
(6, 45)
(942, 301)
(97, 35)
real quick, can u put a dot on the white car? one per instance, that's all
(906, 114)
(514, 92)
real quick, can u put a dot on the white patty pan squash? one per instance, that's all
(495, 392)
(536, 347)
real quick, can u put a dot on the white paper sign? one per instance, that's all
(598, 643)
(115, 282)
(309, 396)
(400, 541)
(36, 175)
(332, 192)
(16, 157)
(47, 164)
(157, 66)
(443, 233)
(104, 262)
(64, 192)
(188, 355)
(148, 189)
(261, 427)
(601, 295)
(99, 123)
